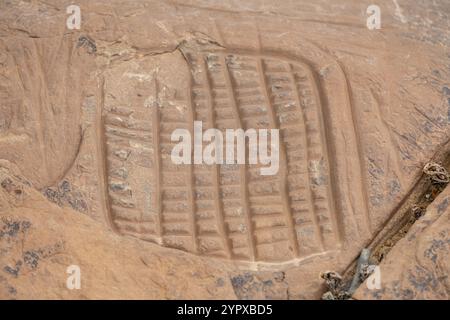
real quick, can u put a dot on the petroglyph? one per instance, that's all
(223, 210)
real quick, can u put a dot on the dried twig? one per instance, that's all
(436, 172)
(361, 271)
(335, 286)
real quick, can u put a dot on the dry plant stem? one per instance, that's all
(357, 278)
(436, 172)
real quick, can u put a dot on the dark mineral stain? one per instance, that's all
(239, 281)
(52, 195)
(279, 276)
(87, 42)
(377, 294)
(407, 294)
(249, 286)
(436, 245)
(268, 283)
(245, 286)
(64, 187)
(12, 228)
(14, 272)
(220, 282)
(78, 204)
(394, 187)
(448, 110)
(6, 183)
(423, 280)
(443, 205)
(12, 187)
(12, 290)
(446, 91)
(31, 259)
(65, 194)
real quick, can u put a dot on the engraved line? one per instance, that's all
(242, 168)
(293, 239)
(157, 161)
(366, 225)
(330, 196)
(190, 170)
(103, 169)
(307, 156)
(217, 201)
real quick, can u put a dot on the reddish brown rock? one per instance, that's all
(39, 241)
(419, 264)
(87, 114)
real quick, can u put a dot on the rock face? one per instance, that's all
(39, 241)
(419, 264)
(227, 211)
(86, 119)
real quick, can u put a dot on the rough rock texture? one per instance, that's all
(86, 117)
(39, 241)
(419, 264)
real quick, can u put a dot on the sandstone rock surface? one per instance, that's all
(419, 264)
(85, 123)
(39, 241)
